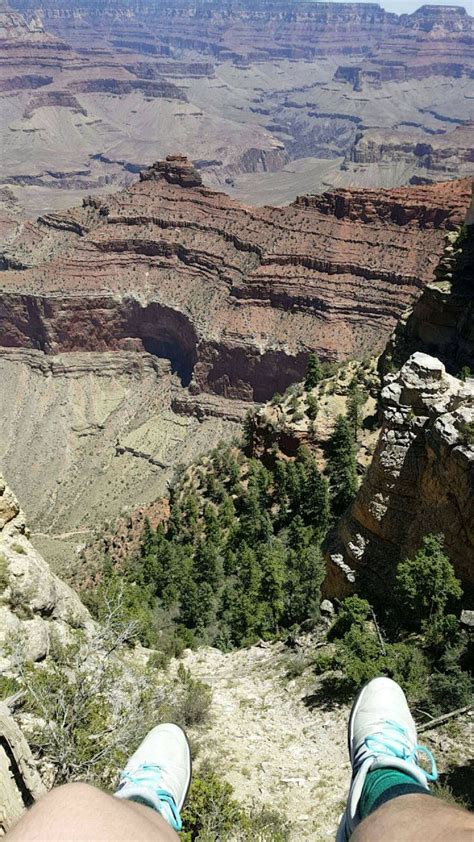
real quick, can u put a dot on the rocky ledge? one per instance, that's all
(421, 479)
(34, 603)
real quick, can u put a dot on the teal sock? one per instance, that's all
(377, 784)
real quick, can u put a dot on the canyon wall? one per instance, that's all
(421, 478)
(234, 297)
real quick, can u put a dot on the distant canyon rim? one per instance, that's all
(269, 100)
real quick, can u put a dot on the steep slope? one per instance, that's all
(34, 604)
(422, 475)
(421, 479)
(147, 323)
(441, 320)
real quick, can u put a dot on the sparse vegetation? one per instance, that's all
(415, 641)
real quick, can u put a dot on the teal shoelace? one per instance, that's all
(393, 740)
(148, 775)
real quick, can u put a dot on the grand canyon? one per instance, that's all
(269, 101)
(237, 394)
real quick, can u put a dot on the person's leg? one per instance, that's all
(389, 796)
(412, 818)
(151, 793)
(80, 813)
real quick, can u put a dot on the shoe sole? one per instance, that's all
(190, 770)
(354, 710)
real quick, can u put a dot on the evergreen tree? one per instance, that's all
(299, 535)
(312, 408)
(248, 432)
(280, 489)
(341, 467)
(147, 541)
(315, 500)
(272, 565)
(426, 583)
(355, 401)
(208, 564)
(313, 372)
(234, 475)
(212, 526)
(296, 480)
(226, 512)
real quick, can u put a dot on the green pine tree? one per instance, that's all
(315, 500)
(312, 408)
(355, 401)
(426, 583)
(341, 467)
(313, 372)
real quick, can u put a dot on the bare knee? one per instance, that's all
(76, 793)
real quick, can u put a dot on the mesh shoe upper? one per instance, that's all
(158, 774)
(382, 734)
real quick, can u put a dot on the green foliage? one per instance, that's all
(8, 686)
(240, 559)
(341, 467)
(426, 584)
(464, 373)
(18, 548)
(212, 813)
(312, 408)
(466, 429)
(3, 573)
(193, 706)
(354, 611)
(355, 401)
(92, 706)
(429, 665)
(313, 372)
(248, 432)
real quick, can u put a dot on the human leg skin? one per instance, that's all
(411, 818)
(78, 812)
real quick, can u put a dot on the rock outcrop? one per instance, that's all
(441, 321)
(234, 297)
(420, 481)
(36, 607)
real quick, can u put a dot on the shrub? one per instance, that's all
(195, 701)
(426, 584)
(212, 813)
(449, 691)
(3, 573)
(17, 548)
(466, 430)
(312, 408)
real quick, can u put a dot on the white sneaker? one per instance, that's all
(159, 773)
(381, 734)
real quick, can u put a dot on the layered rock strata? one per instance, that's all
(355, 95)
(441, 321)
(420, 481)
(234, 297)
